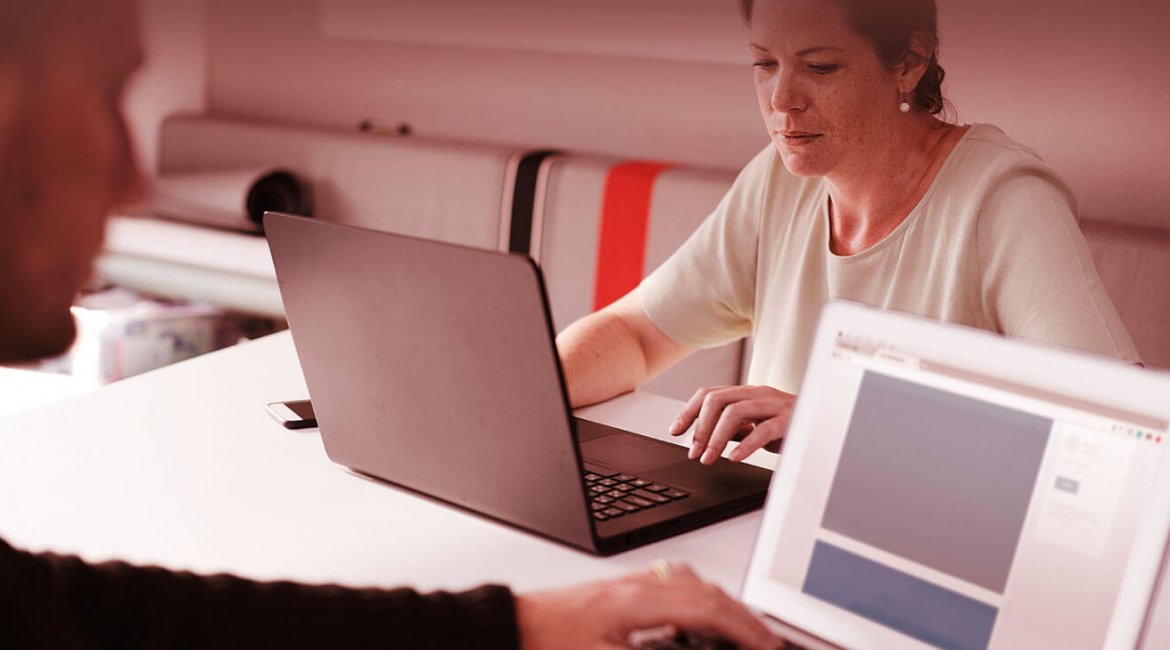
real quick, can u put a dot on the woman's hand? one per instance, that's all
(724, 413)
(604, 614)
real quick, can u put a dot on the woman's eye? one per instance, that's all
(764, 65)
(829, 68)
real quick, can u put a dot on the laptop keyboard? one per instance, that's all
(613, 494)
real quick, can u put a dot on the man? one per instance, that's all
(65, 163)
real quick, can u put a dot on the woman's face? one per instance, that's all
(827, 99)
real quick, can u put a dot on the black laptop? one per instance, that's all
(433, 367)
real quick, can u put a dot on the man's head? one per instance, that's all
(65, 158)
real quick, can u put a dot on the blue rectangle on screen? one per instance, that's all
(899, 601)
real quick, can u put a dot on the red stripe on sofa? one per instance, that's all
(625, 216)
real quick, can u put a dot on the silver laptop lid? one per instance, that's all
(375, 341)
(947, 487)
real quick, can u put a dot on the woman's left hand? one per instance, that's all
(721, 413)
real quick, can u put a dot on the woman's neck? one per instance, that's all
(868, 203)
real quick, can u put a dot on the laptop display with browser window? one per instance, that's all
(947, 487)
(433, 367)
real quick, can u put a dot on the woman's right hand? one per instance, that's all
(721, 414)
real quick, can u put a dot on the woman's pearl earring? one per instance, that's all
(904, 106)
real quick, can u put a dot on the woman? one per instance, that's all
(865, 194)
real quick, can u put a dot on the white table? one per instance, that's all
(183, 468)
(22, 389)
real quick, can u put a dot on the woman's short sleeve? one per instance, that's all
(1039, 279)
(703, 295)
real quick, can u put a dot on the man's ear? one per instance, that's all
(915, 62)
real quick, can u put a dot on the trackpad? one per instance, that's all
(631, 452)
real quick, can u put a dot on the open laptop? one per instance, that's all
(947, 487)
(433, 366)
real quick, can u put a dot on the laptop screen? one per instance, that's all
(942, 504)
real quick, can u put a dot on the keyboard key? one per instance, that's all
(625, 487)
(637, 501)
(640, 482)
(613, 512)
(597, 506)
(656, 498)
(600, 471)
(600, 516)
(597, 489)
(625, 505)
(654, 487)
(676, 494)
(602, 499)
(591, 477)
(615, 494)
(608, 482)
(624, 478)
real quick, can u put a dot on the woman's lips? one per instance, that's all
(797, 138)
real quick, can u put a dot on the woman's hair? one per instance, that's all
(892, 26)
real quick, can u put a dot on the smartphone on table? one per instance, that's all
(293, 415)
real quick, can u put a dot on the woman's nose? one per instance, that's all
(786, 95)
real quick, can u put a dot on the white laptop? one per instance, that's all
(946, 487)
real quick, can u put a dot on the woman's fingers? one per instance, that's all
(721, 413)
(735, 418)
(691, 409)
(766, 434)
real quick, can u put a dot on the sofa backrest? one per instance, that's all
(601, 224)
(1134, 263)
(469, 194)
(438, 189)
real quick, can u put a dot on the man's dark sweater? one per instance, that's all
(52, 601)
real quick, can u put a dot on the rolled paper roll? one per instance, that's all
(233, 199)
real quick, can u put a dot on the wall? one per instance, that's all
(174, 75)
(269, 58)
(1084, 82)
(1079, 81)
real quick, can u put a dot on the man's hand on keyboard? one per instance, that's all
(605, 614)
